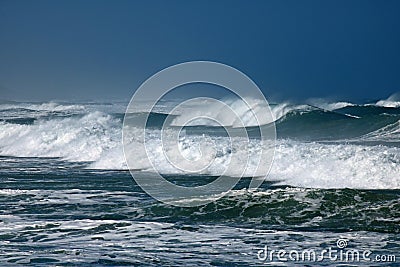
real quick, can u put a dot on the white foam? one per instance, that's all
(388, 103)
(336, 105)
(336, 165)
(247, 114)
(96, 137)
(312, 165)
(329, 105)
(75, 139)
(281, 110)
(392, 102)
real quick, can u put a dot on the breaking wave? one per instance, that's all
(316, 148)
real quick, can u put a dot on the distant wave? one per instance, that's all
(49, 106)
(326, 105)
(392, 102)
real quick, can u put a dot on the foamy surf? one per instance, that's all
(94, 137)
(70, 199)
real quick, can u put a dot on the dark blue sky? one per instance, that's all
(91, 49)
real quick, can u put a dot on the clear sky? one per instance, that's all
(93, 49)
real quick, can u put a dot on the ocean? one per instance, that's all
(68, 199)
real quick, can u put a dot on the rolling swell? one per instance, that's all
(291, 208)
(300, 121)
(113, 196)
(345, 123)
(308, 123)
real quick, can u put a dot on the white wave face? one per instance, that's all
(388, 103)
(74, 139)
(312, 165)
(336, 105)
(281, 110)
(247, 114)
(96, 138)
(392, 102)
(327, 105)
(336, 165)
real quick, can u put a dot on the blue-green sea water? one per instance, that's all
(67, 198)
